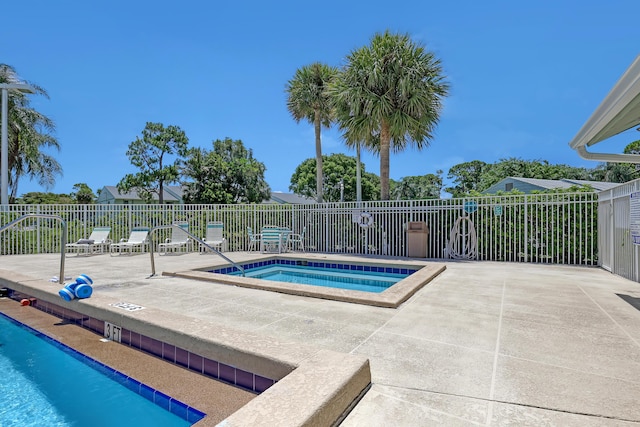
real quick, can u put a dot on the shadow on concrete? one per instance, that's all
(634, 301)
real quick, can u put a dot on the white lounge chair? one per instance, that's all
(97, 241)
(179, 241)
(215, 237)
(137, 240)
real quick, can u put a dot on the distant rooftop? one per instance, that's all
(110, 194)
(175, 193)
(527, 185)
(288, 198)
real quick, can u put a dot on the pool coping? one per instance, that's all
(313, 386)
(392, 297)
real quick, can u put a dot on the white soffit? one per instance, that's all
(619, 111)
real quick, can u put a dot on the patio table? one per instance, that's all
(274, 239)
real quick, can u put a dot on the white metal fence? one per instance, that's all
(545, 228)
(618, 254)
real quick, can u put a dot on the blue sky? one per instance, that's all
(524, 76)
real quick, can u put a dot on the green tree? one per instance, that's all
(340, 178)
(28, 133)
(618, 172)
(308, 98)
(466, 177)
(614, 172)
(150, 154)
(632, 148)
(388, 95)
(40, 198)
(517, 167)
(83, 194)
(426, 186)
(228, 174)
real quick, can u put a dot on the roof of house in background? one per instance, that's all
(527, 185)
(172, 193)
(600, 186)
(175, 193)
(288, 198)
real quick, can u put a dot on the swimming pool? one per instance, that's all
(417, 274)
(364, 278)
(44, 382)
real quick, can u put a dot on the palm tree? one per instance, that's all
(28, 132)
(309, 99)
(389, 94)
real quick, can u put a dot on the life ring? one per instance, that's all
(365, 220)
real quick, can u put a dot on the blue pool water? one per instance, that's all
(43, 383)
(343, 276)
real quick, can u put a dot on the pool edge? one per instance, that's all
(390, 298)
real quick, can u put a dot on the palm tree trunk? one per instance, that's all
(316, 125)
(358, 175)
(385, 146)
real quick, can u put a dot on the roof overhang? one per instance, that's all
(618, 112)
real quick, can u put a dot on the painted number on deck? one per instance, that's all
(112, 331)
(127, 306)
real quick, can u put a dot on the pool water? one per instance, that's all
(43, 383)
(342, 278)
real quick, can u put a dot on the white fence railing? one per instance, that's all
(548, 228)
(618, 254)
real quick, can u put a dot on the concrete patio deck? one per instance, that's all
(484, 343)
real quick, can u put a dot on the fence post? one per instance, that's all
(38, 231)
(129, 219)
(326, 226)
(526, 229)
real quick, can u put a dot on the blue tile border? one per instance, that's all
(316, 264)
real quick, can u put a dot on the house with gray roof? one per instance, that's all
(109, 195)
(173, 194)
(288, 198)
(528, 185)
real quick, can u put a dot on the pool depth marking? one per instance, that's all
(127, 306)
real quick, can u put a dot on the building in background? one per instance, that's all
(528, 185)
(173, 194)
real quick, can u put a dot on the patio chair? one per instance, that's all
(214, 237)
(286, 236)
(137, 240)
(254, 239)
(297, 239)
(97, 241)
(179, 240)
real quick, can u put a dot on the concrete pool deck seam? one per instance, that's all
(524, 405)
(496, 356)
(609, 316)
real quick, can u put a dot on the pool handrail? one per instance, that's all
(197, 239)
(63, 236)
